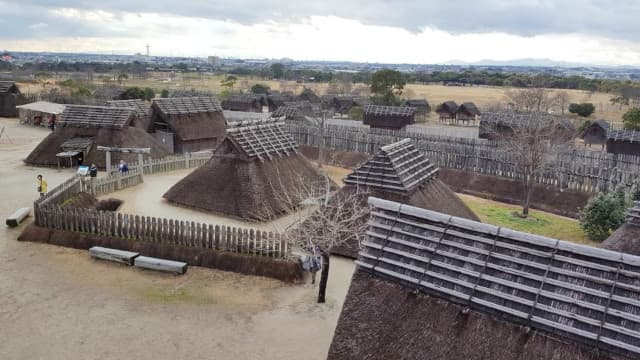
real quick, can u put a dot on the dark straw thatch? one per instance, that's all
(83, 128)
(254, 174)
(247, 103)
(432, 286)
(447, 110)
(623, 142)
(10, 97)
(400, 172)
(388, 117)
(596, 133)
(140, 108)
(627, 237)
(197, 122)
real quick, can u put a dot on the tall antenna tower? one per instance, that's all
(148, 46)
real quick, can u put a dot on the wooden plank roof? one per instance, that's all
(262, 139)
(398, 167)
(187, 105)
(582, 293)
(235, 118)
(5, 86)
(405, 111)
(138, 105)
(84, 116)
(624, 135)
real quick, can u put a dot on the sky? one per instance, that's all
(386, 31)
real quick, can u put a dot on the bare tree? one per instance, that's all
(561, 98)
(532, 141)
(534, 99)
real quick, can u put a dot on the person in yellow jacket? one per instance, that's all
(42, 185)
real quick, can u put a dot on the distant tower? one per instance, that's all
(148, 46)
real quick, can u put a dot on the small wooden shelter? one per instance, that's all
(388, 117)
(37, 113)
(434, 286)
(467, 113)
(82, 129)
(10, 97)
(191, 123)
(254, 174)
(421, 105)
(596, 133)
(447, 111)
(623, 142)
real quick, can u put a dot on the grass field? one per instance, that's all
(483, 96)
(539, 222)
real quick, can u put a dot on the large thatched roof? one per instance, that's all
(448, 108)
(400, 172)
(8, 87)
(627, 237)
(432, 286)
(85, 116)
(255, 174)
(190, 118)
(392, 117)
(139, 106)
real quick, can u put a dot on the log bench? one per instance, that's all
(17, 217)
(120, 256)
(146, 262)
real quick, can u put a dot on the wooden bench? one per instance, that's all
(120, 256)
(160, 264)
(17, 217)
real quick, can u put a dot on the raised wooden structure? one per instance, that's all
(596, 133)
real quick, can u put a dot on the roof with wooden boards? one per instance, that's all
(624, 135)
(5, 86)
(138, 105)
(404, 111)
(235, 118)
(398, 167)
(187, 105)
(84, 116)
(262, 138)
(577, 292)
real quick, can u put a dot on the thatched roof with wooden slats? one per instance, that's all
(400, 172)
(8, 87)
(421, 105)
(263, 139)
(255, 174)
(624, 135)
(233, 118)
(198, 119)
(187, 105)
(85, 116)
(398, 167)
(468, 109)
(447, 108)
(243, 103)
(388, 117)
(139, 106)
(429, 285)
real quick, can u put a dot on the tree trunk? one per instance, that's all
(528, 189)
(324, 277)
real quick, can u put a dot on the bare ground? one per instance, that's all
(57, 303)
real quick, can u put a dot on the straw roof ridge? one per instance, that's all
(85, 116)
(187, 105)
(579, 293)
(262, 139)
(138, 105)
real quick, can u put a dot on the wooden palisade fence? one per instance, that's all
(580, 170)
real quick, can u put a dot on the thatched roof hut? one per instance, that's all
(139, 107)
(400, 172)
(626, 238)
(421, 105)
(432, 286)
(82, 129)
(467, 112)
(623, 142)
(388, 117)
(495, 125)
(254, 174)
(296, 111)
(10, 97)
(596, 133)
(447, 110)
(246, 103)
(196, 122)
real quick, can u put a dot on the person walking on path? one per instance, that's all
(123, 167)
(52, 122)
(93, 171)
(42, 185)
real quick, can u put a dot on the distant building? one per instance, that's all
(447, 111)
(213, 60)
(467, 113)
(388, 117)
(596, 133)
(421, 105)
(10, 97)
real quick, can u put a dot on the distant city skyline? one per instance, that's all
(411, 32)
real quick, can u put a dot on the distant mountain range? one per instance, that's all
(532, 63)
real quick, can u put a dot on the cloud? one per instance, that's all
(613, 19)
(38, 26)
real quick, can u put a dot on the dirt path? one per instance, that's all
(57, 303)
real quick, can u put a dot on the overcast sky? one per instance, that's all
(401, 31)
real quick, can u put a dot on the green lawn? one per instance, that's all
(538, 222)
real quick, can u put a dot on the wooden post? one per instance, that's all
(141, 164)
(108, 160)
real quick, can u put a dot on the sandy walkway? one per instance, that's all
(56, 303)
